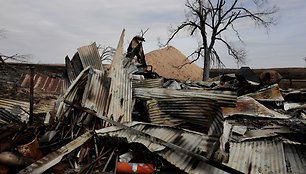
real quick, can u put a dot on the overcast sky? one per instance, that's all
(48, 30)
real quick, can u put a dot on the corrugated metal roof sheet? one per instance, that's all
(198, 114)
(96, 91)
(192, 141)
(75, 91)
(261, 156)
(107, 96)
(43, 82)
(13, 106)
(148, 83)
(70, 71)
(86, 56)
(295, 155)
(89, 56)
(89, 89)
(148, 93)
(120, 93)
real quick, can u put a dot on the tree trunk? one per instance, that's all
(206, 67)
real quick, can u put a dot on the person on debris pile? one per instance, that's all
(135, 49)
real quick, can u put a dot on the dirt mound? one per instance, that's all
(167, 62)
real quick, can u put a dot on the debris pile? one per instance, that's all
(131, 119)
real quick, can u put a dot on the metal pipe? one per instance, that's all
(31, 94)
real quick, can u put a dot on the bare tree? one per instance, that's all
(11, 58)
(211, 18)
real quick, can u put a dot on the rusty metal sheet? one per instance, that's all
(198, 114)
(271, 93)
(43, 82)
(247, 106)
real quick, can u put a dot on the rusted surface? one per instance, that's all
(28, 146)
(271, 93)
(247, 106)
(43, 82)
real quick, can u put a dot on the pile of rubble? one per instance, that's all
(131, 120)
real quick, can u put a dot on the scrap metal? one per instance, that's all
(147, 83)
(259, 156)
(89, 56)
(203, 115)
(55, 157)
(176, 149)
(271, 93)
(247, 106)
(120, 93)
(158, 142)
(295, 154)
(149, 93)
(43, 82)
(7, 117)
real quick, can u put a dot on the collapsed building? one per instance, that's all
(134, 119)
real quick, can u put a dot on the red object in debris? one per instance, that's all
(138, 168)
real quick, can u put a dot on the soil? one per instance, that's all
(168, 61)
